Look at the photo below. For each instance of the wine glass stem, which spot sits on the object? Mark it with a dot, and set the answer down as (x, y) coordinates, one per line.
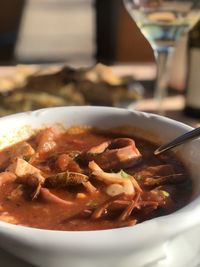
(160, 91)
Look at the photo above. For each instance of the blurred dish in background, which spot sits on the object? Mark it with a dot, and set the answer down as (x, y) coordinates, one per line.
(34, 87)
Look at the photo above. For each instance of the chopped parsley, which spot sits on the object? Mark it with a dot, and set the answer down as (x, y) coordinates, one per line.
(92, 204)
(27, 158)
(124, 174)
(165, 193)
(138, 177)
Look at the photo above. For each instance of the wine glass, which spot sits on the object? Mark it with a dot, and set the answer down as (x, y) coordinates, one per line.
(163, 22)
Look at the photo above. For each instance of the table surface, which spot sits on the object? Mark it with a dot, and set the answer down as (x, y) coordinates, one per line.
(173, 104)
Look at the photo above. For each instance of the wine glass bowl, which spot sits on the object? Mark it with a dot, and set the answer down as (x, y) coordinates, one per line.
(163, 22)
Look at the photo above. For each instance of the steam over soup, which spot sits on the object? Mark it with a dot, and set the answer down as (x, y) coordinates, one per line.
(87, 179)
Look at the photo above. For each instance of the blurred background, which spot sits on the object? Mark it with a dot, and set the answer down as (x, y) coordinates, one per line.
(79, 32)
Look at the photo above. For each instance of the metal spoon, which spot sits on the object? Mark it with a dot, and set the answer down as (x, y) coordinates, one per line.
(178, 141)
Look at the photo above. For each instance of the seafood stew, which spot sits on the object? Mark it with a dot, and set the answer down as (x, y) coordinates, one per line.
(87, 179)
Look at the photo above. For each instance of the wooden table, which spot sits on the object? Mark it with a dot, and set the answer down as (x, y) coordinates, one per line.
(173, 105)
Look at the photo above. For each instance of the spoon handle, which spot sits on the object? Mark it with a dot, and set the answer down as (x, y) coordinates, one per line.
(178, 141)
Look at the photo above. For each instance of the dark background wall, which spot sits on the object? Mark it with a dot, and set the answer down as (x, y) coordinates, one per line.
(39, 31)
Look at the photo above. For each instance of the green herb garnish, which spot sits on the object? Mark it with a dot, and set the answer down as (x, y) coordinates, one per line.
(124, 174)
(165, 193)
(92, 204)
(138, 177)
(27, 158)
(92, 154)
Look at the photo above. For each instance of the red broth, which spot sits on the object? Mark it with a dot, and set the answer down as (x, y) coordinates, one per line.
(86, 179)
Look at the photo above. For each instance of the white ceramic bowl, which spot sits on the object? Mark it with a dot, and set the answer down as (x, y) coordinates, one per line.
(142, 244)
